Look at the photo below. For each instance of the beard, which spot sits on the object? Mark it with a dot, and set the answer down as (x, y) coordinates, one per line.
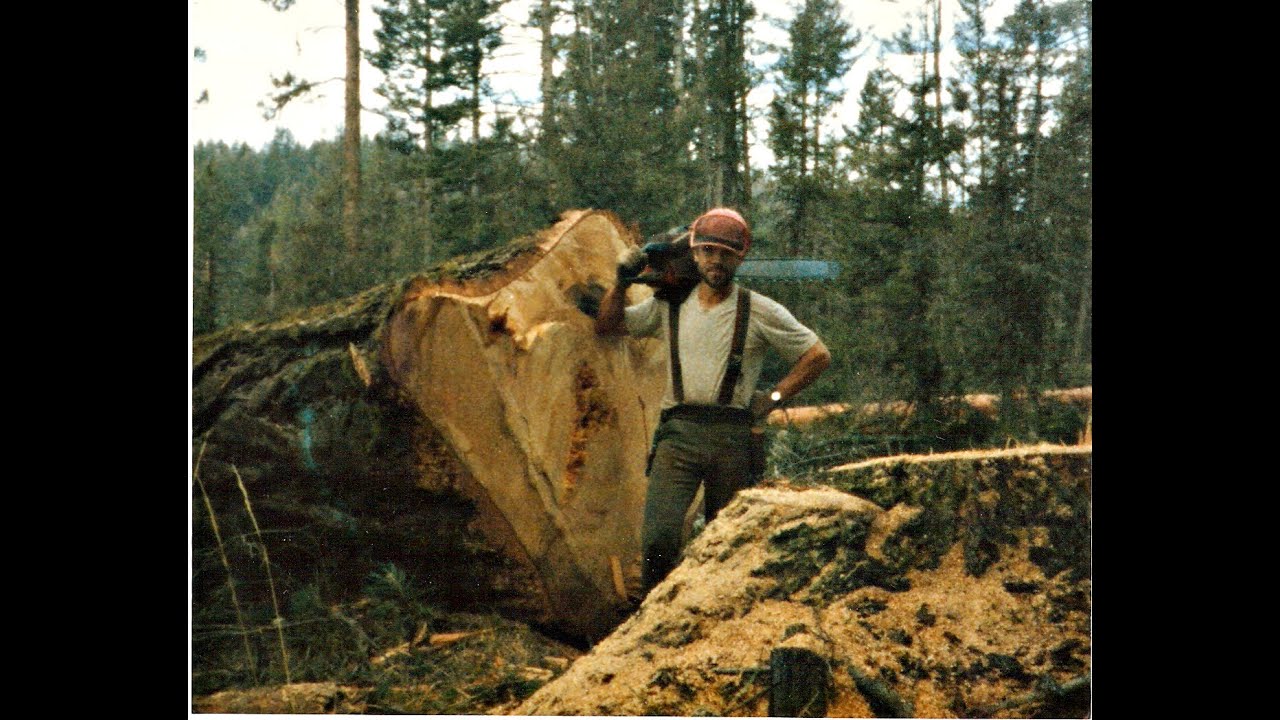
(717, 278)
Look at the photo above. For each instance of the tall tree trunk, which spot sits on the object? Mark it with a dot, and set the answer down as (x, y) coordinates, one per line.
(745, 126)
(475, 105)
(706, 133)
(351, 135)
(817, 136)
(1086, 299)
(1040, 69)
(980, 82)
(548, 55)
(429, 123)
(677, 71)
(922, 169)
(937, 92)
(730, 75)
(804, 135)
(207, 314)
(802, 189)
(475, 130)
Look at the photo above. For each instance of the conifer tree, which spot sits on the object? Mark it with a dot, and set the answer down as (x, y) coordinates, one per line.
(624, 145)
(972, 92)
(808, 77)
(420, 72)
(543, 16)
(290, 87)
(471, 35)
(723, 82)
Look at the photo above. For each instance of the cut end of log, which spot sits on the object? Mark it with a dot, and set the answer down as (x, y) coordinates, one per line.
(547, 424)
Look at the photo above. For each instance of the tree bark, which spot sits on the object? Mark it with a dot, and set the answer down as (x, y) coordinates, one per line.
(466, 424)
(546, 19)
(745, 127)
(937, 94)
(677, 71)
(1081, 340)
(351, 135)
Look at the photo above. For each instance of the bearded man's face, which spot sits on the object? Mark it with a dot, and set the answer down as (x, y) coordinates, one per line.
(716, 265)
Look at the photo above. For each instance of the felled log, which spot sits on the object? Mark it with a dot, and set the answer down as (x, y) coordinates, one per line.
(466, 425)
(985, 403)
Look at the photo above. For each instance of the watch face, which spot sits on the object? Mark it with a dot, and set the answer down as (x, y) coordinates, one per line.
(775, 396)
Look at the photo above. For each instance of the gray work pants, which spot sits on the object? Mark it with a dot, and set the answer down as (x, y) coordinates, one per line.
(686, 454)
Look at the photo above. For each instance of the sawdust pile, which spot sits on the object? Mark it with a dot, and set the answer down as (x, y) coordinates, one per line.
(955, 586)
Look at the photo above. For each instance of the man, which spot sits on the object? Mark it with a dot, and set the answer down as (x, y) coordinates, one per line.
(709, 405)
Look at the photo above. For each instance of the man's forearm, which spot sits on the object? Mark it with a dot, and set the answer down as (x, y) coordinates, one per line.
(807, 369)
(611, 319)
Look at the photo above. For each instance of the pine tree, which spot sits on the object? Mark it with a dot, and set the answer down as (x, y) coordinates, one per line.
(1019, 274)
(291, 87)
(972, 93)
(421, 74)
(808, 76)
(210, 239)
(230, 188)
(471, 35)
(1065, 196)
(873, 153)
(725, 79)
(624, 144)
(542, 16)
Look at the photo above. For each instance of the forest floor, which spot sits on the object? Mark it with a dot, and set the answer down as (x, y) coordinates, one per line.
(928, 602)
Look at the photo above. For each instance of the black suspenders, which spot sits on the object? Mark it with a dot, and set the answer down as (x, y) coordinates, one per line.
(731, 373)
(673, 341)
(740, 319)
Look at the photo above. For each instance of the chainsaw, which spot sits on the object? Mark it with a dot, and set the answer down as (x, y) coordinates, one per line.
(671, 271)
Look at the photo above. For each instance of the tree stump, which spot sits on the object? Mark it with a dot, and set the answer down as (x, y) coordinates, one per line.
(466, 424)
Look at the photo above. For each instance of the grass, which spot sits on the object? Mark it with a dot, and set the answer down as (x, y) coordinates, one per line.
(276, 620)
(226, 564)
(394, 653)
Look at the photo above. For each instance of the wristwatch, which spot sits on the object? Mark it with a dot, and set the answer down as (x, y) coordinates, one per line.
(775, 397)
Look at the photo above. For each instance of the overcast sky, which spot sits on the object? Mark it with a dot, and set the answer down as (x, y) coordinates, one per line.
(245, 42)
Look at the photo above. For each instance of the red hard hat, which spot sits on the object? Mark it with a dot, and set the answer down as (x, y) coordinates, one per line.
(723, 227)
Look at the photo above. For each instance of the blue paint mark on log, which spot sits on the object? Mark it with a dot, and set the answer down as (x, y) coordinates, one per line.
(306, 417)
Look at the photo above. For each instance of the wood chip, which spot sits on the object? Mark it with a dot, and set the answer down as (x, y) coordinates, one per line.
(397, 650)
(450, 638)
(618, 585)
(362, 368)
(529, 672)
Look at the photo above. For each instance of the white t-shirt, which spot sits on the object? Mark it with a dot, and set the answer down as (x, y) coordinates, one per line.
(705, 339)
